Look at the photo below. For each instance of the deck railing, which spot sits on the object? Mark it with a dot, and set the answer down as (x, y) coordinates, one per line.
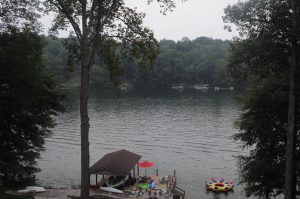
(177, 192)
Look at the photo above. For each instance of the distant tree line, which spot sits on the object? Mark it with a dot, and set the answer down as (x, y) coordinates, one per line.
(190, 62)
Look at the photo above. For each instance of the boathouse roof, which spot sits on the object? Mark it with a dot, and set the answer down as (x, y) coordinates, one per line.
(118, 163)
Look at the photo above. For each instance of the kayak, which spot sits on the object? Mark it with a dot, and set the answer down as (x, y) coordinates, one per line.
(32, 189)
(110, 189)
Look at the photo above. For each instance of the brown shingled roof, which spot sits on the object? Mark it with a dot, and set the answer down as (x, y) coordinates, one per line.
(118, 163)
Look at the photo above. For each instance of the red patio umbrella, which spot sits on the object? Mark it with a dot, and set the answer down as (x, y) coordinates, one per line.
(146, 164)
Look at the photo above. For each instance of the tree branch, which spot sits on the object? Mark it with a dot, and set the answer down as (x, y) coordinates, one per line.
(61, 7)
(99, 26)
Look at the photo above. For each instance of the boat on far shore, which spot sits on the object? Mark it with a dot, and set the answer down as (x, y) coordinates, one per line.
(203, 87)
(125, 86)
(178, 87)
(217, 88)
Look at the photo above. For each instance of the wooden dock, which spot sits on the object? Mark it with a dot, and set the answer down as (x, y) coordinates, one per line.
(165, 189)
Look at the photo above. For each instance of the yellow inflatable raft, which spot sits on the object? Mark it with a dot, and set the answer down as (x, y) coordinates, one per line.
(219, 185)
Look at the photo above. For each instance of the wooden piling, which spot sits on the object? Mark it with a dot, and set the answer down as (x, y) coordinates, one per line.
(133, 171)
(174, 177)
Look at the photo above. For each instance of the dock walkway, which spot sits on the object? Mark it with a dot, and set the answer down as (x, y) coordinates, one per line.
(94, 194)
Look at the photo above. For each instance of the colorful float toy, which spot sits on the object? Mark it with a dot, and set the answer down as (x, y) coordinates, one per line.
(219, 185)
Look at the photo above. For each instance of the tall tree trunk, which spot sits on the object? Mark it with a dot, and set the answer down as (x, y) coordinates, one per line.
(290, 171)
(84, 95)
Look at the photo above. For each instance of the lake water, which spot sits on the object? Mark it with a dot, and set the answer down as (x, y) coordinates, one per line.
(189, 131)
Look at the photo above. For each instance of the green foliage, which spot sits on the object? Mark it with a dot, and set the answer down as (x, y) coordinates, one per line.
(261, 55)
(20, 13)
(61, 59)
(110, 57)
(262, 129)
(113, 32)
(200, 61)
(263, 126)
(55, 55)
(29, 99)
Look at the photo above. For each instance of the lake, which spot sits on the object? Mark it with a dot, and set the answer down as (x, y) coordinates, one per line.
(189, 131)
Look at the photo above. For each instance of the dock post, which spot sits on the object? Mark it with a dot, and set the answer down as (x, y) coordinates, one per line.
(169, 182)
(175, 179)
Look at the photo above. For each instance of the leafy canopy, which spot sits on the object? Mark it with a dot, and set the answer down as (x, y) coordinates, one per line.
(22, 14)
(29, 99)
(103, 27)
(262, 54)
(198, 61)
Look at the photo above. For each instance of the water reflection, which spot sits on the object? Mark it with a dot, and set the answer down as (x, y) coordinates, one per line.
(189, 131)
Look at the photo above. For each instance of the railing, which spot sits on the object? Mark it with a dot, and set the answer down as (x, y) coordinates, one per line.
(177, 192)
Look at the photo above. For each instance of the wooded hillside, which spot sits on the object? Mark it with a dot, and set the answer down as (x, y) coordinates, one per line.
(189, 62)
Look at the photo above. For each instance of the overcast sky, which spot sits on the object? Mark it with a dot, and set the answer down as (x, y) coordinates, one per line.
(193, 18)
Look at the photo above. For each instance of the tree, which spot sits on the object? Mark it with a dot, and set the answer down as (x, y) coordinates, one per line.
(28, 100)
(290, 171)
(22, 14)
(99, 27)
(263, 129)
(204, 62)
(263, 53)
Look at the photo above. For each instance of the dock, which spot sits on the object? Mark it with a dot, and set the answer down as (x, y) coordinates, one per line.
(120, 169)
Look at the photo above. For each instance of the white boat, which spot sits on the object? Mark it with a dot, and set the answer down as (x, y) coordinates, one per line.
(125, 86)
(112, 190)
(24, 191)
(203, 87)
(32, 189)
(178, 87)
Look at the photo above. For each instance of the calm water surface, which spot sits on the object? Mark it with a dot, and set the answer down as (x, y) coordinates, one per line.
(188, 131)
